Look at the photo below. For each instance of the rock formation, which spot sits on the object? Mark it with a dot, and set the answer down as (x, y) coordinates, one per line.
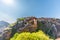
(33, 24)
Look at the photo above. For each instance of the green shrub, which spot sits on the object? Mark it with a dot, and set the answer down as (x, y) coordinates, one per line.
(20, 19)
(15, 36)
(30, 36)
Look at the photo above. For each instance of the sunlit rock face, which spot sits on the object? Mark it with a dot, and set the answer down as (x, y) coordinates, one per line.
(29, 25)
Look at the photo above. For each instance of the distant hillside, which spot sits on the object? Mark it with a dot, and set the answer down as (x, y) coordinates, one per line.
(3, 25)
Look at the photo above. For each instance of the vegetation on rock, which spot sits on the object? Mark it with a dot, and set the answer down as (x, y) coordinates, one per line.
(20, 19)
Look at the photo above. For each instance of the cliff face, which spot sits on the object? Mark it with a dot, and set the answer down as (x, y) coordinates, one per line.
(32, 24)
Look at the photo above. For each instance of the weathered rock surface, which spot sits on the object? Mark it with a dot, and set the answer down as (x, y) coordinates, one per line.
(33, 24)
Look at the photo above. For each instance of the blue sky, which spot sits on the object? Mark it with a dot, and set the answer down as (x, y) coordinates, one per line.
(10, 10)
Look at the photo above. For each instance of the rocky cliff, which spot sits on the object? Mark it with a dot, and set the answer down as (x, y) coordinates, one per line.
(50, 26)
